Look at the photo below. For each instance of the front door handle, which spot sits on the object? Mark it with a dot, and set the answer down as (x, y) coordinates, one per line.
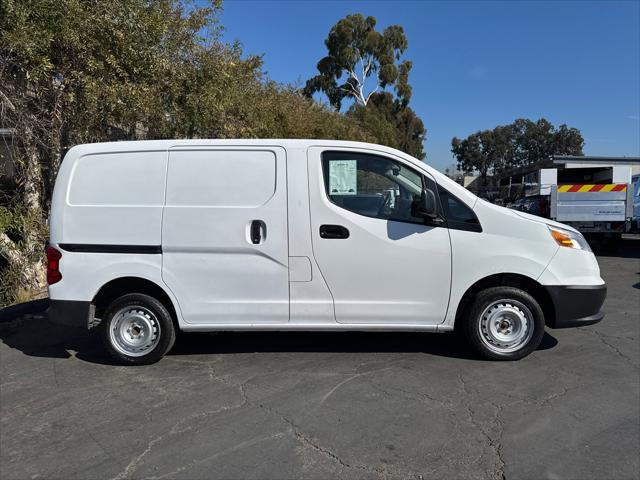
(333, 231)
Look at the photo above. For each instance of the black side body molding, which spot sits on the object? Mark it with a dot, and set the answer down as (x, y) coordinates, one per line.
(91, 248)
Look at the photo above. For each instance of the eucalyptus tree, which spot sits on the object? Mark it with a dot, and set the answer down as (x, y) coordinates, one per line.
(356, 53)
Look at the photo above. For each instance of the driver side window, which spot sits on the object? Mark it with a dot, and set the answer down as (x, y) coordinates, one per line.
(371, 185)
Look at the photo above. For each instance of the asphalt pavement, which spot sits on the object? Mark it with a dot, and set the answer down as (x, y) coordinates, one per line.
(328, 405)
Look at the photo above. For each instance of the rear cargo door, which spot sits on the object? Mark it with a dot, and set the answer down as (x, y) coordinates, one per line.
(224, 234)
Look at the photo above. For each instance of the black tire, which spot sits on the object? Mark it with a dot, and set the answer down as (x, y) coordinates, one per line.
(472, 326)
(162, 321)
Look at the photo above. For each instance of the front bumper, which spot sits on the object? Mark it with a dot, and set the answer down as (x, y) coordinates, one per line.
(576, 305)
(71, 313)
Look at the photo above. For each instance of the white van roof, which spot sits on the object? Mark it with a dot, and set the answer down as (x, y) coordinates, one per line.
(163, 145)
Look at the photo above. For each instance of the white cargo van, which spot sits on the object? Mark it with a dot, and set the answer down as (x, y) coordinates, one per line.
(152, 237)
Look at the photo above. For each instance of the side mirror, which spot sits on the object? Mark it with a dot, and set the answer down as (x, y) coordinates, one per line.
(425, 207)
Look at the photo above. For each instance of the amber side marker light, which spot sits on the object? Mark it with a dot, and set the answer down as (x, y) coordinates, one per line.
(562, 239)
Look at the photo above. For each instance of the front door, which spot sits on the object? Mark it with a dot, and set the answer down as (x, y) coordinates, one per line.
(224, 235)
(381, 264)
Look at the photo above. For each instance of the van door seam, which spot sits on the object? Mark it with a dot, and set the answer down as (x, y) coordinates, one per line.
(313, 251)
(164, 205)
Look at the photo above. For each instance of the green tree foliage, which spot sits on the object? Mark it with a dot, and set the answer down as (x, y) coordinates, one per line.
(392, 123)
(356, 52)
(520, 143)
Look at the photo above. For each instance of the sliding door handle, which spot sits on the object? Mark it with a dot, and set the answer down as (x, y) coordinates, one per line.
(256, 231)
(333, 231)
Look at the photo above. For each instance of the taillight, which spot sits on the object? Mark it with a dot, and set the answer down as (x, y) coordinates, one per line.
(53, 266)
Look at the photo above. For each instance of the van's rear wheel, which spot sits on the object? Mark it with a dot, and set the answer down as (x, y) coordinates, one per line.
(137, 329)
(504, 323)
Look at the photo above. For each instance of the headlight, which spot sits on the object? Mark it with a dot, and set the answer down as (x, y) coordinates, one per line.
(567, 238)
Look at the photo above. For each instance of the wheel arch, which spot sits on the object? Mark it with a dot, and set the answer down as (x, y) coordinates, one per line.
(123, 285)
(516, 280)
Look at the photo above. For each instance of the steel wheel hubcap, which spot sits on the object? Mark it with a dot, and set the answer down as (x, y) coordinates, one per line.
(134, 331)
(506, 325)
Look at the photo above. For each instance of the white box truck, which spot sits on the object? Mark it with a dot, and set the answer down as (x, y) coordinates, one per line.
(591, 194)
(151, 237)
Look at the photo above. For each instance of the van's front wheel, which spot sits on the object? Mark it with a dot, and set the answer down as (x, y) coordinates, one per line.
(504, 323)
(137, 329)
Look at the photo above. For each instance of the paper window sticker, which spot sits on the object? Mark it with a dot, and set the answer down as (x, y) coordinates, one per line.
(343, 179)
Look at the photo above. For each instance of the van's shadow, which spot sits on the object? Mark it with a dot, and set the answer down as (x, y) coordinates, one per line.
(37, 337)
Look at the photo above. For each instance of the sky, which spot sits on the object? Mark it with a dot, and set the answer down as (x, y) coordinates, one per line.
(478, 64)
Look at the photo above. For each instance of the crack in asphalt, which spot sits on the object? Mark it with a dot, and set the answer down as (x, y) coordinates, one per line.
(352, 377)
(293, 430)
(602, 337)
(175, 429)
(548, 399)
(493, 439)
(495, 443)
(420, 396)
(307, 441)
